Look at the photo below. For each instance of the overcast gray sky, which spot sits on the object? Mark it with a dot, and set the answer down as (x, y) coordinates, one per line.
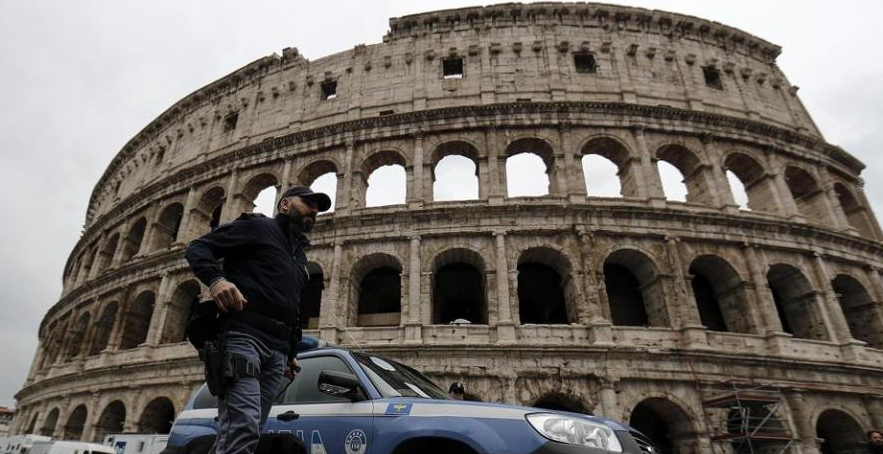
(79, 79)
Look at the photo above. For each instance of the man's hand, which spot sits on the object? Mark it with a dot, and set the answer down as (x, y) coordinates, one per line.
(291, 369)
(227, 296)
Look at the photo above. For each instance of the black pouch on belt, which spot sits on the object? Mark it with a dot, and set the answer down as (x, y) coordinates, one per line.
(206, 330)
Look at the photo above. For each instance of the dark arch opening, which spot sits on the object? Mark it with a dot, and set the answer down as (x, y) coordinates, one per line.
(105, 257)
(311, 297)
(111, 421)
(33, 425)
(133, 239)
(859, 309)
(77, 338)
(540, 297)
(665, 424)
(49, 423)
(840, 433)
(559, 402)
(634, 290)
(73, 430)
(720, 296)
(379, 296)
(855, 213)
(103, 328)
(807, 194)
(137, 321)
(458, 294)
(795, 301)
(185, 298)
(167, 226)
(157, 417)
(207, 215)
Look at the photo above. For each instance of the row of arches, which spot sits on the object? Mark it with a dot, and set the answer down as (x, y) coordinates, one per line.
(156, 418)
(534, 166)
(632, 290)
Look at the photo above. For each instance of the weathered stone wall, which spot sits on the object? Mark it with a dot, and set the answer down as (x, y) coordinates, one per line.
(796, 288)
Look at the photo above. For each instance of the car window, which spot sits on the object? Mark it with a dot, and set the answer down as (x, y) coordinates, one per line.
(205, 399)
(394, 379)
(305, 388)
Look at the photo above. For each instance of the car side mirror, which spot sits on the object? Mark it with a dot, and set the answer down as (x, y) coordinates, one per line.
(340, 384)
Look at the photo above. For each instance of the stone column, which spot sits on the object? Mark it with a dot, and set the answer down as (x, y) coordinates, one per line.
(117, 259)
(415, 192)
(89, 425)
(607, 399)
(777, 340)
(284, 183)
(413, 328)
(685, 309)
(96, 259)
(227, 212)
(647, 180)
(505, 325)
(330, 306)
(784, 192)
(719, 183)
(837, 327)
(160, 310)
(574, 177)
(803, 429)
(496, 180)
(185, 233)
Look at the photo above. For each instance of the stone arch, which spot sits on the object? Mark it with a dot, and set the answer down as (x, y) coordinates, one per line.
(560, 402)
(185, 297)
(111, 421)
(721, 296)
(667, 424)
(76, 422)
(372, 163)
(316, 169)
(456, 180)
(807, 194)
(311, 297)
(615, 151)
(132, 242)
(77, 338)
(546, 291)
(694, 172)
(137, 320)
(167, 225)
(634, 289)
(759, 189)
(157, 417)
(376, 290)
(247, 196)
(207, 214)
(105, 254)
(103, 328)
(856, 214)
(860, 310)
(535, 146)
(48, 427)
(459, 287)
(840, 433)
(796, 302)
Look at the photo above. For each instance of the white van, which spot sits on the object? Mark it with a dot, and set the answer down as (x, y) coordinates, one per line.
(136, 443)
(20, 444)
(69, 447)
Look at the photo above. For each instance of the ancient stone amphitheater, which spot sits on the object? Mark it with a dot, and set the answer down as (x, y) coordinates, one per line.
(637, 307)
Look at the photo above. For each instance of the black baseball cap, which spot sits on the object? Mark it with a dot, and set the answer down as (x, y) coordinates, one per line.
(323, 202)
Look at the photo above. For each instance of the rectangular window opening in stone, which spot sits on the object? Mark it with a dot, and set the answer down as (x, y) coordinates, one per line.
(387, 112)
(713, 77)
(452, 68)
(329, 89)
(585, 62)
(230, 121)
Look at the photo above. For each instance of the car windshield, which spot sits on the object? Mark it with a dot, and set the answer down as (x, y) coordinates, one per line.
(393, 379)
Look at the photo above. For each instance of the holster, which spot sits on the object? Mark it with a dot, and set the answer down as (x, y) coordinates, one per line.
(213, 359)
(206, 331)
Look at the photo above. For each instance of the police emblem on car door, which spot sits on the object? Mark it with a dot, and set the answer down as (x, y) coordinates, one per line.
(325, 408)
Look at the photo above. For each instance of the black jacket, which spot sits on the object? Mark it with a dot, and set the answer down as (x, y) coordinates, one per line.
(268, 265)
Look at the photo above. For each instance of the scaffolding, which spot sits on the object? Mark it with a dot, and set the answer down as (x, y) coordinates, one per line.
(753, 426)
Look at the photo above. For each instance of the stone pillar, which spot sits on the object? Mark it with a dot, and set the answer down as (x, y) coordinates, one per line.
(413, 328)
(330, 306)
(837, 327)
(61, 422)
(415, 191)
(96, 259)
(185, 233)
(719, 183)
(227, 212)
(777, 340)
(866, 207)
(784, 192)
(607, 399)
(647, 180)
(117, 259)
(685, 313)
(89, 425)
(496, 178)
(574, 177)
(875, 410)
(505, 325)
(345, 181)
(803, 428)
(133, 412)
(284, 183)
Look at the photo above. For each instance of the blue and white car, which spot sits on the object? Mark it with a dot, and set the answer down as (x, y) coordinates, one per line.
(355, 403)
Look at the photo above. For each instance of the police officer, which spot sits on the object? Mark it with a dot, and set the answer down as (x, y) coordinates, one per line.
(258, 292)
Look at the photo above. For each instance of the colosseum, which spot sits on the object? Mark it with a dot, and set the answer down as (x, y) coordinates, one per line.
(758, 294)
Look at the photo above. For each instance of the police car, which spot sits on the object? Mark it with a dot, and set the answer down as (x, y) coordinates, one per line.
(357, 403)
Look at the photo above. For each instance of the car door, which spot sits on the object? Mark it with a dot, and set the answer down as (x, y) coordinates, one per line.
(327, 424)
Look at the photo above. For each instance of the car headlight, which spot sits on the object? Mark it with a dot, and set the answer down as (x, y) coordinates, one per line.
(566, 429)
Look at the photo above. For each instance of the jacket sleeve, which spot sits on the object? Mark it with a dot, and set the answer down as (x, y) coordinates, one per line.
(204, 253)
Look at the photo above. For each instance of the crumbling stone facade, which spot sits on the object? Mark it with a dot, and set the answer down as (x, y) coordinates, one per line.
(636, 307)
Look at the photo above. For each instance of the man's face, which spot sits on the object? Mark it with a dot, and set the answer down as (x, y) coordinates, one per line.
(300, 209)
(876, 438)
